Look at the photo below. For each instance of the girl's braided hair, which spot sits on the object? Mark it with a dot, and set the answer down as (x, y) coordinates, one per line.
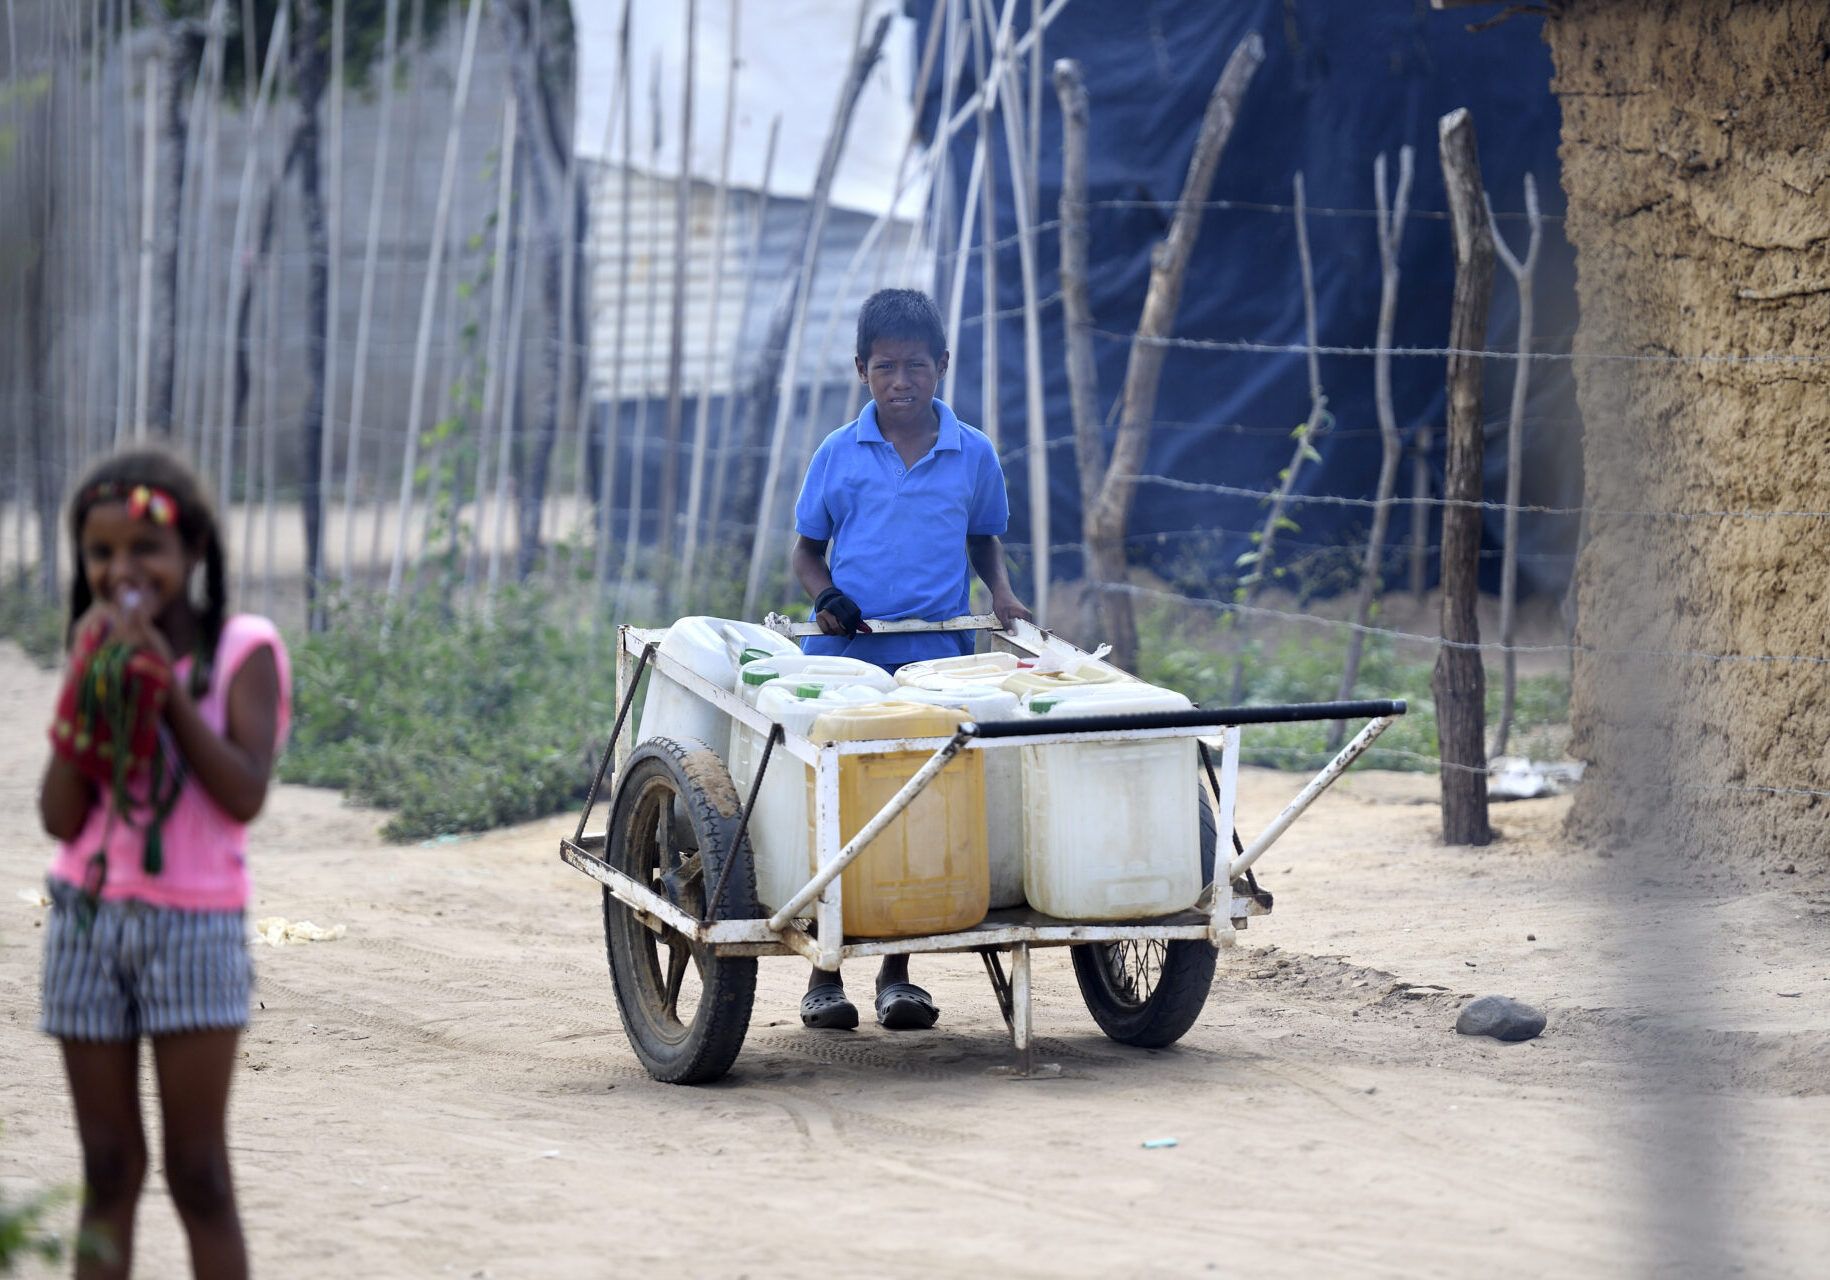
(196, 524)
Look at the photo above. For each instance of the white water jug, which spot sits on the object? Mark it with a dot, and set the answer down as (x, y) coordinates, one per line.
(1111, 831)
(709, 647)
(781, 825)
(933, 673)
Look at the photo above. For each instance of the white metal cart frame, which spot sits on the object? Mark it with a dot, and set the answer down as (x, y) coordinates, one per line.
(809, 924)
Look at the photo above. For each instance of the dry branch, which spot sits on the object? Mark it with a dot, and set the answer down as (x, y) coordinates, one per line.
(1522, 273)
(1076, 309)
(1390, 231)
(1168, 268)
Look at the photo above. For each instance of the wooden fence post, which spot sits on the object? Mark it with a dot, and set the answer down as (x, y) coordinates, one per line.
(1459, 681)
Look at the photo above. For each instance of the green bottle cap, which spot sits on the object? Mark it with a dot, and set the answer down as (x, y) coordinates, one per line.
(759, 674)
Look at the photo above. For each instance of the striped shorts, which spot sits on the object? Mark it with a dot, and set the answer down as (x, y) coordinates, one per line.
(142, 970)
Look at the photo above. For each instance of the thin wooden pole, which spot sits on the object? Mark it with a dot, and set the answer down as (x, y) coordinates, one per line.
(98, 242)
(962, 257)
(938, 21)
(1390, 232)
(990, 394)
(201, 398)
(1077, 309)
(429, 294)
(1459, 681)
(269, 432)
(397, 288)
(149, 194)
(613, 417)
(1168, 270)
(1035, 404)
(238, 242)
(721, 471)
(638, 474)
(1261, 555)
(511, 400)
(128, 230)
(863, 58)
(365, 304)
(695, 484)
(327, 439)
(492, 342)
(1522, 273)
(676, 328)
(1420, 511)
(200, 196)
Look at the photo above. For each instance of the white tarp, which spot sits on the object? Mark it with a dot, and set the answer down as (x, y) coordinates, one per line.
(794, 55)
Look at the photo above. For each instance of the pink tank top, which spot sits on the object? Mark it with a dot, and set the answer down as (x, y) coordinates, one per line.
(206, 867)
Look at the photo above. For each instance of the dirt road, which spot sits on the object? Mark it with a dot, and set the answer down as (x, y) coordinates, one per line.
(447, 1090)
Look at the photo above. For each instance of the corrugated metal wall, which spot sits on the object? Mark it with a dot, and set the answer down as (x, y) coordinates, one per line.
(647, 300)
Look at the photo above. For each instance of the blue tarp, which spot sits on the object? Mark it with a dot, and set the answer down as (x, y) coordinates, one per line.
(1342, 81)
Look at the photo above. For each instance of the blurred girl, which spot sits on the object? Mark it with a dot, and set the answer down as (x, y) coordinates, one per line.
(162, 747)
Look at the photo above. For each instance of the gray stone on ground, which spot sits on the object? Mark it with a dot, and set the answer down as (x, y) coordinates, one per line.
(1501, 1017)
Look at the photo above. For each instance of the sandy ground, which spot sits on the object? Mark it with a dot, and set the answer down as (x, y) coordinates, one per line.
(447, 1090)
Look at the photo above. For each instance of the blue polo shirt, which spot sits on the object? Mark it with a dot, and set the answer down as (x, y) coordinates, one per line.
(896, 536)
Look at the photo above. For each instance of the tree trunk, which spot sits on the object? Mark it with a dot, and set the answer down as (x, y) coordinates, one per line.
(1459, 680)
(309, 68)
(179, 60)
(1168, 267)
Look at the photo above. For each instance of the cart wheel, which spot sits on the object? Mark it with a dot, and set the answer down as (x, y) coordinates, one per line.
(684, 1009)
(1148, 993)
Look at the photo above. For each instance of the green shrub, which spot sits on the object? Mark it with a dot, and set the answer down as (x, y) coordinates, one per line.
(36, 624)
(22, 1231)
(457, 720)
(1309, 670)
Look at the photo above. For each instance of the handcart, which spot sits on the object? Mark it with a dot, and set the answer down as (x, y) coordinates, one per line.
(683, 929)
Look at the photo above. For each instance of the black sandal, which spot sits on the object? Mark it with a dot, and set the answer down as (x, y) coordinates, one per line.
(826, 1008)
(903, 1006)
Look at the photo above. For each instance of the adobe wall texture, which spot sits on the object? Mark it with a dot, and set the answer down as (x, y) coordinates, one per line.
(1695, 161)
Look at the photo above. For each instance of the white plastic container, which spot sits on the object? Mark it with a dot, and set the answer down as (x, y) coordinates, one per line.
(1087, 672)
(781, 827)
(826, 668)
(1003, 778)
(710, 647)
(933, 673)
(1111, 831)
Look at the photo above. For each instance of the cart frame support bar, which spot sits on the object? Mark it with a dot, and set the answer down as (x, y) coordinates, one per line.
(1304, 798)
(897, 803)
(1197, 718)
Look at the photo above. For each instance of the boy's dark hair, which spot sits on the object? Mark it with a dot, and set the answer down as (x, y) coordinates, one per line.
(196, 525)
(908, 314)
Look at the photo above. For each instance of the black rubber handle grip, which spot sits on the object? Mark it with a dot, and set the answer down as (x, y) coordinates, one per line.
(1198, 717)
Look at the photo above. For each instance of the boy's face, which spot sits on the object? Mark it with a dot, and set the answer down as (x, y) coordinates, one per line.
(902, 375)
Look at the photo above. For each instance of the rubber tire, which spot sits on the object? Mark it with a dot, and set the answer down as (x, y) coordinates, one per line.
(1180, 993)
(708, 801)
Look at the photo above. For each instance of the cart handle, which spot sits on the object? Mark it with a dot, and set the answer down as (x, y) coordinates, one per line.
(1280, 713)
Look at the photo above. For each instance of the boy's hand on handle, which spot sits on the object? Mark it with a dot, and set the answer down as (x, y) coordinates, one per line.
(838, 614)
(1008, 609)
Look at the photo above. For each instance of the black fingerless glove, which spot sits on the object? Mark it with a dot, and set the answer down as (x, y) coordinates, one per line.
(842, 607)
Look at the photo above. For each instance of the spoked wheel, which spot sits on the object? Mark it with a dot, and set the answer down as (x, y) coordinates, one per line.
(684, 1009)
(1148, 992)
